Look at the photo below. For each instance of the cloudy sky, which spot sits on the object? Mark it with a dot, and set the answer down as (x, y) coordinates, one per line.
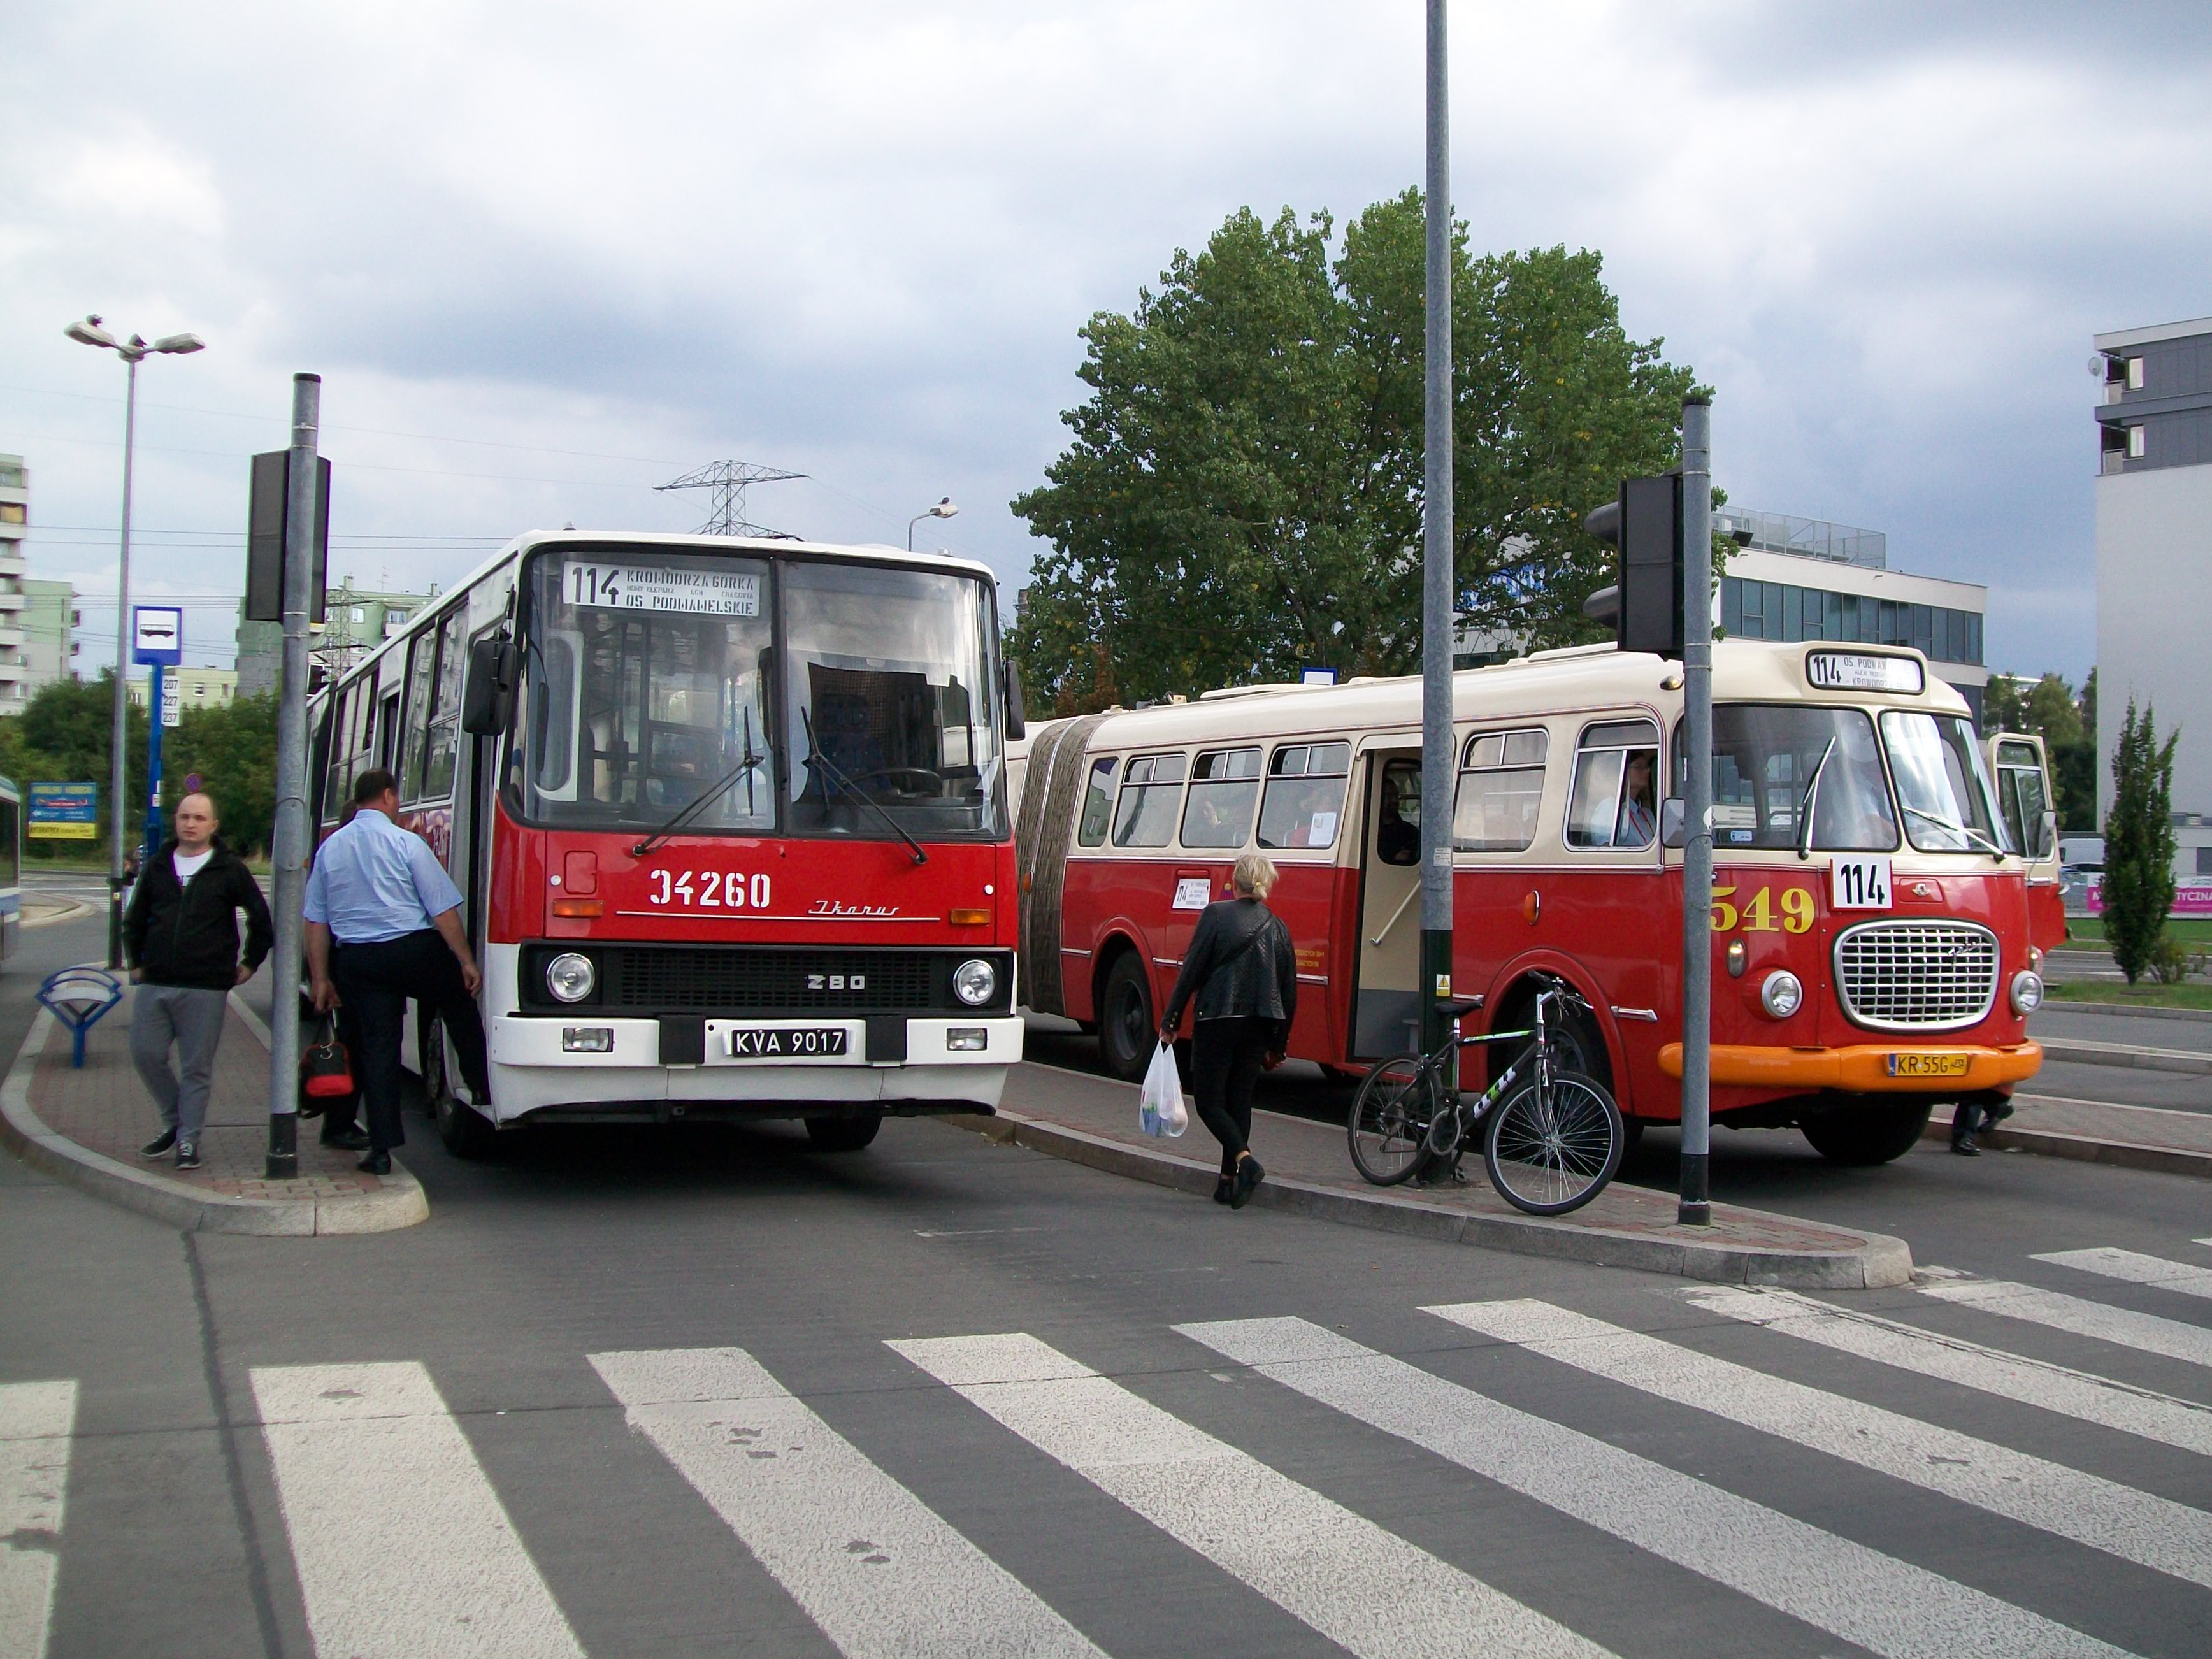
(547, 256)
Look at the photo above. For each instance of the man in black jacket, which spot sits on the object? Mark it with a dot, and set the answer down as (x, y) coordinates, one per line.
(181, 931)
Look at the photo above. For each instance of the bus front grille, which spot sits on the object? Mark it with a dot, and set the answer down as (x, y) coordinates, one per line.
(1909, 976)
(727, 979)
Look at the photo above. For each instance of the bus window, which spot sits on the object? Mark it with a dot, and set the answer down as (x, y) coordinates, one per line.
(1940, 782)
(1612, 803)
(1305, 794)
(338, 780)
(1398, 831)
(1144, 817)
(415, 726)
(1501, 785)
(2021, 798)
(1224, 787)
(446, 711)
(1763, 757)
(1097, 803)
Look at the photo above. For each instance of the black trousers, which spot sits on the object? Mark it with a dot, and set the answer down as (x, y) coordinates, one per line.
(1224, 1065)
(374, 981)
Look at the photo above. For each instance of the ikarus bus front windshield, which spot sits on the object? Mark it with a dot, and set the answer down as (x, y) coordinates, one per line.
(653, 689)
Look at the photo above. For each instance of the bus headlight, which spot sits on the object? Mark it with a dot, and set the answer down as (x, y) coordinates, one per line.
(974, 982)
(2026, 991)
(570, 977)
(1782, 995)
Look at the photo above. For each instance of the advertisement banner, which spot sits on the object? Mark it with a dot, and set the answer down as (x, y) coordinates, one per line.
(2192, 895)
(62, 812)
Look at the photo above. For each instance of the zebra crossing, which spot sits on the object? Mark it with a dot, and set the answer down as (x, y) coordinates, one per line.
(368, 1460)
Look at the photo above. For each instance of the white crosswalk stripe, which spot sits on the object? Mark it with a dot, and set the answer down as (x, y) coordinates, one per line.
(2179, 1423)
(2133, 1267)
(2123, 1327)
(35, 1422)
(878, 1572)
(2139, 1527)
(1834, 1584)
(1365, 1589)
(401, 1547)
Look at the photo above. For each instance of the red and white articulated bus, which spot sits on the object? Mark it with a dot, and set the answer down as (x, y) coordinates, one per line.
(731, 820)
(1872, 917)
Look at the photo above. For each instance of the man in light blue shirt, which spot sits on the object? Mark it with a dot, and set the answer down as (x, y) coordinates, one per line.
(384, 923)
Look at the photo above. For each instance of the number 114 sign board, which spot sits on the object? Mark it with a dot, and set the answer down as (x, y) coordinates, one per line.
(1859, 884)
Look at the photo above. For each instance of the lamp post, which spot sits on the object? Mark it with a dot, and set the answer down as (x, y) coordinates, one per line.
(132, 351)
(944, 509)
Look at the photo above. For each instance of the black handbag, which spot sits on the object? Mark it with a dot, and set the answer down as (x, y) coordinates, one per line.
(326, 1071)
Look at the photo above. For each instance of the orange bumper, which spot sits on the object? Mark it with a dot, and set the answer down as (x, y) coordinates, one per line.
(1861, 1070)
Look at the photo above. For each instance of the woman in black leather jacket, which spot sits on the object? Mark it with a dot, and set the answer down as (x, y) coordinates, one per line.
(1245, 973)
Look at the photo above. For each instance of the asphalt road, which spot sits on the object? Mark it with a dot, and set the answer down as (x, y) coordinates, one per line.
(405, 1441)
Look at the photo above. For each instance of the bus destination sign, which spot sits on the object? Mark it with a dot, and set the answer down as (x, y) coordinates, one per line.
(1862, 671)
(661, 587)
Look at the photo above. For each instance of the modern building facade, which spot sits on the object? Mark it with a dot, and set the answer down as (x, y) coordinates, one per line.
(50, 616)
(1808, 579)
(2155, 558)
(356, 622)
(15, 524)
(196, 688)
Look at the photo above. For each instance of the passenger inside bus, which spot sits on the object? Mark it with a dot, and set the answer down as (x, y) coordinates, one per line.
(1398, 837)
(1636, 822)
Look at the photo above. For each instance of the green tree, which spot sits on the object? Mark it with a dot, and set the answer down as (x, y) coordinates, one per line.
(2005, 705)
(1242, 492)
(62, 736)
(2139, 841)
(2052, 712)
(234, 750)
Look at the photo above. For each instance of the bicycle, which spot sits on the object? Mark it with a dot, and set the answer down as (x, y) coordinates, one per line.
(1554, 1136)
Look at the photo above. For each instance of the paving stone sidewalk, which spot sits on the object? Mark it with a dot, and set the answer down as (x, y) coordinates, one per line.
(1094, 1121)
(87, 1126)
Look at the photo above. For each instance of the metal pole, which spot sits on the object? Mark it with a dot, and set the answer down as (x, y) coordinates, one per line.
(1437, 566)
(153, 675)
(289, 841)
(1696, 1208)
(119, 798)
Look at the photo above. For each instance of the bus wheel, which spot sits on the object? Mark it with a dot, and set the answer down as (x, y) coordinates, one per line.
(843, 1134)
(1861, 1135)
(1127, 1033)
(461, 1127)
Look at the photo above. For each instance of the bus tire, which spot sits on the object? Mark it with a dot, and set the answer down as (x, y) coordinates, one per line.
(843, 1134)
(1858, 1137)
(1129, 1031)
(465, 1131)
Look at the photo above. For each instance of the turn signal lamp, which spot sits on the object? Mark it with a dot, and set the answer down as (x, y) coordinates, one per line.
(970, 918)
(576, 907)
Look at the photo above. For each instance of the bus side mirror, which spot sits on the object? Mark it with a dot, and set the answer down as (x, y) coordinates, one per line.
(2049, 825)
(1017, 721)
(487, 693)
(1672, 817)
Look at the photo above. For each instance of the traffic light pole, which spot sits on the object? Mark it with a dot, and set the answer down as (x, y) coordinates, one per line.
(1695, 1209)
(1436, 574)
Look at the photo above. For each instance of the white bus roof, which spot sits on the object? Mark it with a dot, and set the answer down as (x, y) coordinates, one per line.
(1596, 677)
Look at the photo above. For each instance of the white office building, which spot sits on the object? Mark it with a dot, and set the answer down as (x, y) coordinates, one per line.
(2155, 559)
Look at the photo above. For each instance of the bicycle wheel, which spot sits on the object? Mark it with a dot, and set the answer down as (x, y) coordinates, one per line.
(1550, 1150)
(1390, 1118)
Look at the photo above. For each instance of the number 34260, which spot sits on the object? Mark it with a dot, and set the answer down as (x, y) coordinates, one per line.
(1764, 912)
(709, 890)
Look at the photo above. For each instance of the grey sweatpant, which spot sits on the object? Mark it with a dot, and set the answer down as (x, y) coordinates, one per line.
(192, 1020)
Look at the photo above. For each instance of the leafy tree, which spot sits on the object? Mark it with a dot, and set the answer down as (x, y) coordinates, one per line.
(233, 749)
(1242, 493)
(2052, 711)
(62, 736)
(2004, 704)
(2139, 843)
(2048, 709)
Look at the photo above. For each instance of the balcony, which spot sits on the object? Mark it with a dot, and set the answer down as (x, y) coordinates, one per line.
(12, 599)
(10, 638)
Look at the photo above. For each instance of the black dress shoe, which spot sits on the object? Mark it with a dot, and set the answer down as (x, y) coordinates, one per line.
(1964, 1145)
(1248, 1175)
(346, 1140)
(376, 1163)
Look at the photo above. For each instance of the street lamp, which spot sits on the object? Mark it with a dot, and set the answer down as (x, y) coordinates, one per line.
(944, 509)
(133, 352)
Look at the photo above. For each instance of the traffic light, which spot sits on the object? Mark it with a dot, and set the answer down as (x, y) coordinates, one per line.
(1645, 603)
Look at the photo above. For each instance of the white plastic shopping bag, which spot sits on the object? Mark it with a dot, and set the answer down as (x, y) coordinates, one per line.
(1161, 1111)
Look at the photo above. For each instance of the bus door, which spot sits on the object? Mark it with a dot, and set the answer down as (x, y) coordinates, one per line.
(2024, 796)
(1386, 1000)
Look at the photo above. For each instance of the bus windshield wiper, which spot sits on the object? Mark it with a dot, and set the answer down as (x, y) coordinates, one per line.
(746, 762)
(1812, 799)
(835, 774)
(1974, 837)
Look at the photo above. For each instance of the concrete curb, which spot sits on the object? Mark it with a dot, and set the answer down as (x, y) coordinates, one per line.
(1881, 1261)
(2081, 1052)
(401, 1203)
(2121, 1154)
(72, 909)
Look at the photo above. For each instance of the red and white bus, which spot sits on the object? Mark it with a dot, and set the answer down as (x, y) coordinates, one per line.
(1873, 952)
(731, 820)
